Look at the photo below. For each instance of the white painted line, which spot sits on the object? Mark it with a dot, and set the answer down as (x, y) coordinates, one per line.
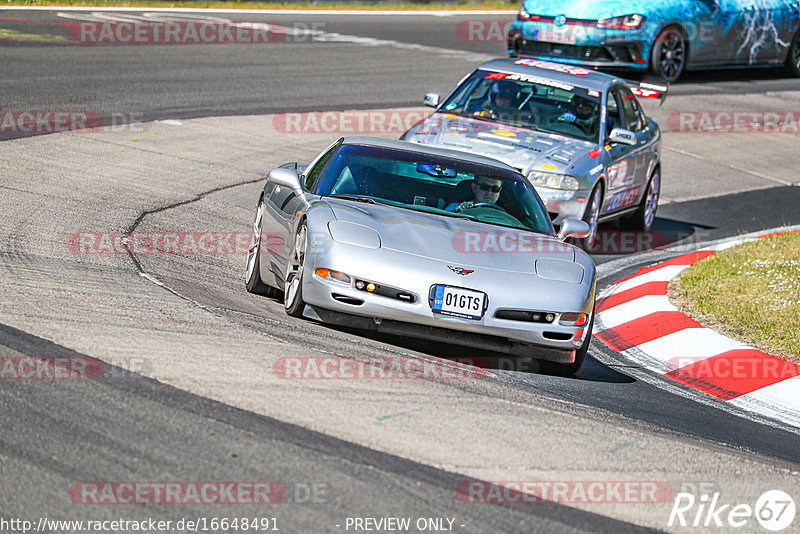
(634, 309)
(664, 274)
(780, 400)
(687, 346)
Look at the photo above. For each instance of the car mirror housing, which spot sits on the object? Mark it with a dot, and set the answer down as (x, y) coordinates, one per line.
(286, 178)
(573, 228)
(621, 135)
(431, 100)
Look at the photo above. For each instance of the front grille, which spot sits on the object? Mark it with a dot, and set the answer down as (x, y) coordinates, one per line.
(595, 53)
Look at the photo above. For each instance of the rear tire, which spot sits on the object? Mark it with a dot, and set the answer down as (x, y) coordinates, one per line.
(253, 281)
(793, 58)
(644, 217)
(569, 369)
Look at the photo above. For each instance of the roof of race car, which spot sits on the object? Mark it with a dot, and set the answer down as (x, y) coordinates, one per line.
(569, 74)
(425, 149)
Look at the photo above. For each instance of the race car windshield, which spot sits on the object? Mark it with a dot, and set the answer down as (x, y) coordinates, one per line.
(434, 184)
(529, 102)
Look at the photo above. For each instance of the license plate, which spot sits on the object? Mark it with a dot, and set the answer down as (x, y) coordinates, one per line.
(458, 302)
(548, 36)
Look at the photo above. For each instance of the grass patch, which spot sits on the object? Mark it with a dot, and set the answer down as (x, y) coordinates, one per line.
(750, 292)
(235, 4)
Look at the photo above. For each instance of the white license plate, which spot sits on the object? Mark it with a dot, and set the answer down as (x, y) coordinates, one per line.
(458, 302)
(548, 36)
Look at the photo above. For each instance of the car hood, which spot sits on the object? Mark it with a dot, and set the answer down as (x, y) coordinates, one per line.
(460, 242)
(591, 9)
(519, 147)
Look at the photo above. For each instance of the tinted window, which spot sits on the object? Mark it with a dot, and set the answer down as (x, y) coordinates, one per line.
(634, 118)
(433, 184)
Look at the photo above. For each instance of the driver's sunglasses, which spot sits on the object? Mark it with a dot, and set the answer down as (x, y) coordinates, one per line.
(487, 187)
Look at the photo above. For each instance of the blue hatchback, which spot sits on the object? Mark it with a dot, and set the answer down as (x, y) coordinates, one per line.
(666, 36)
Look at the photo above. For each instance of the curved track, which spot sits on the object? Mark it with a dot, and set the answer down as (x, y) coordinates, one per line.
(381, 448)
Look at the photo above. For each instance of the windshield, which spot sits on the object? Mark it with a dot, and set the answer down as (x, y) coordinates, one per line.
(530, 102)
(434, 184)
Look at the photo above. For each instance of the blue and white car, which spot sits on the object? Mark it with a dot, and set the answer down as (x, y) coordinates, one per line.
(666, 36)
(597, 161)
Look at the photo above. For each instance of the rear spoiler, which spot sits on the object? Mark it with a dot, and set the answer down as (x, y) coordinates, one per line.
(649, 90)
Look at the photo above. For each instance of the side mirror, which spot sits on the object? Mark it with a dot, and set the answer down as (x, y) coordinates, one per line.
(573, 228)
(431, 100)
(285, 177)
(621, 135)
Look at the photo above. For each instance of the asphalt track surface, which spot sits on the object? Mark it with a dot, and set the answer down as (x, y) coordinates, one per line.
(131, 427)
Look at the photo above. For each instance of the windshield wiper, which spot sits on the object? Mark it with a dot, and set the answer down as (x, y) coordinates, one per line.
(368, 200)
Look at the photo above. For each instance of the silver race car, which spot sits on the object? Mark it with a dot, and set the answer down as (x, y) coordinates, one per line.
(579, 136)
(426, 242)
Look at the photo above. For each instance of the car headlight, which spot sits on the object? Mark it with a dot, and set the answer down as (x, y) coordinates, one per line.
(628, 22)
(523, 15)
(554, 181)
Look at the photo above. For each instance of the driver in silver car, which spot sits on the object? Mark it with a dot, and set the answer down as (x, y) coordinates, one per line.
(485, 190)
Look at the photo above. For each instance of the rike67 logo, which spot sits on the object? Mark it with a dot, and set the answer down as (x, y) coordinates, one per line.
(774, 510)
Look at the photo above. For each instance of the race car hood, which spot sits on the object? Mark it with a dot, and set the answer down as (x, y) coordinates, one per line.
(519, 147)
(448, 239)
(593, 10)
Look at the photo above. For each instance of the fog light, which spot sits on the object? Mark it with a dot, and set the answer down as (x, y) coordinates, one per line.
(371, 287)
(549, 317)
(360, 284)
(573, 319)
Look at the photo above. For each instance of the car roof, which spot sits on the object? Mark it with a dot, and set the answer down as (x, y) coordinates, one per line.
(426, 149)
(570, 74)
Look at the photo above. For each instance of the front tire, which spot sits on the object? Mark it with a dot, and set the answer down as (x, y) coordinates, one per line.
(592, 217)
(293, 287)
(253, 281)
(668, 60)
(569, 369)
(793, 58)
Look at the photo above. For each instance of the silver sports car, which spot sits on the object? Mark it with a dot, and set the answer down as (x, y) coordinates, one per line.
(580, 136)
(426, 242)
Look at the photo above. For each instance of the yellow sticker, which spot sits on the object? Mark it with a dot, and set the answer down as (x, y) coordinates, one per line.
(550, 167)
(504, 133)
(608, 147)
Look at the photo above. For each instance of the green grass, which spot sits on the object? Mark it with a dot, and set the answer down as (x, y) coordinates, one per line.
(235, 4)
(751, 292)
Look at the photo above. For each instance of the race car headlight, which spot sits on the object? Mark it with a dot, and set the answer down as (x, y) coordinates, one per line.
(523, 15)
(628, 22)
(554, 181)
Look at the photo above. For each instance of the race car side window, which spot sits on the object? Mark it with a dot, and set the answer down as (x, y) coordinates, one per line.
(613, 119)
(631, 110)
(316, 167)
